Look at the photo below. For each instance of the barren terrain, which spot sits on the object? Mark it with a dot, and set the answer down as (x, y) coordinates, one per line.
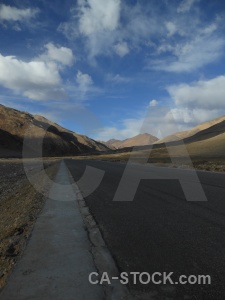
(175, 159)
(20, 205)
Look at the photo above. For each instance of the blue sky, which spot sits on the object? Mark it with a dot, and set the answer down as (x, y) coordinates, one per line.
(98, 66)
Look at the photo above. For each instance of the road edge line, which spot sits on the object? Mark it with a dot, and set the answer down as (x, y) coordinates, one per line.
(102, 257)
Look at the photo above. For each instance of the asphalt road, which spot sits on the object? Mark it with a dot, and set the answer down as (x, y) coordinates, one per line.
(57, 260)
(160, 231)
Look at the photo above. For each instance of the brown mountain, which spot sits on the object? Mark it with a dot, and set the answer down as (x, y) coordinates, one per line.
(191, 132)
(138, 140)
(204, 140)
(58, 141)
(110, 143)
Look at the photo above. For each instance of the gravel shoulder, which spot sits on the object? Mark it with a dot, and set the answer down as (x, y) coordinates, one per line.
(20, 205)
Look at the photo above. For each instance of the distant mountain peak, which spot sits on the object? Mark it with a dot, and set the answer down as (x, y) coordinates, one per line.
(141, 139)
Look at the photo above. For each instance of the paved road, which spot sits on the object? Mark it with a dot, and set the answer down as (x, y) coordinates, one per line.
(160, 231)
(57, 261)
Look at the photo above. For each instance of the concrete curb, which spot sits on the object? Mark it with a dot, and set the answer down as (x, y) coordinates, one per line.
(103, 259)
(57, 261)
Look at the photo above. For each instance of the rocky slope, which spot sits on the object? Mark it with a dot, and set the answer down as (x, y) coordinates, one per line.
(58, 141)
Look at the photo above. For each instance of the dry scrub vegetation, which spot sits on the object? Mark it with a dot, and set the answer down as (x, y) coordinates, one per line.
(20, 205)
(199, 158)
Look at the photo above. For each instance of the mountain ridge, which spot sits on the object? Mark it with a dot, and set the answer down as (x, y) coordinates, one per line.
(58, 141)
(183, 135)
(142, 139)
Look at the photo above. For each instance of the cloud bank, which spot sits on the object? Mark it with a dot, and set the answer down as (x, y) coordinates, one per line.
(38, 79)
(206, 94)
(10, 13)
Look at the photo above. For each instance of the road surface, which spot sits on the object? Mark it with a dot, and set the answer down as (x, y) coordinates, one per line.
(160, 231)
(57, 260)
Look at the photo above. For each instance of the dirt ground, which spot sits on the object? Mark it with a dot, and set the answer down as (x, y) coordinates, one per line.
(20, 205)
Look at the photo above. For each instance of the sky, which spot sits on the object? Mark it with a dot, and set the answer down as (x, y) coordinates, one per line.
(114, 68)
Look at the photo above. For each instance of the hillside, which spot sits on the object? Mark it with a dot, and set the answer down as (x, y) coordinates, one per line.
(191, 132)
(58, 141)
(209, 142)
(206, 140)
(205, 144)
(138, 140)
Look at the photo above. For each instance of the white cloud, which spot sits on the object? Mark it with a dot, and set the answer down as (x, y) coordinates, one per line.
(160, 121)
(164, 48)
(35, 79)
(70, 28)
(209, 94)
(84, 82)
(117, 78)
(151, 120)
(210, 29)
(9, 13)
(192, 105)
(192, 55)
(196, 103)
(180, 115)
(98, 15)
(129, 128)
(38, 79)
(185, 6)
(97, 21)
(58, 54)
(55, 92)
(153, 103)
(102, 27)
(171, 28)
(16, 27)
(189, 43)
(188, 117)
(121, 49)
